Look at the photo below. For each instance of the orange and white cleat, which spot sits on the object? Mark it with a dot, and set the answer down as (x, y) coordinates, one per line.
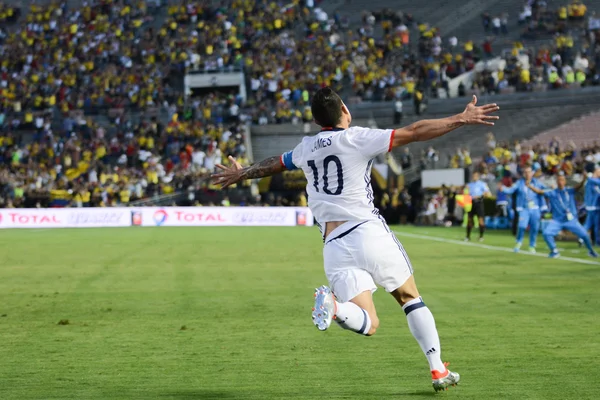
(324, 309)
(441, 380)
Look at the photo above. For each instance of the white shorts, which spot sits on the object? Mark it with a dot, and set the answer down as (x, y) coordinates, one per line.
(359, 255)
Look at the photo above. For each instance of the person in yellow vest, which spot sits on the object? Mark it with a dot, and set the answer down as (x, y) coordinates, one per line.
(124, 195)
(570, 76)
(82, 197)
(468, 161)
(562, 13)
(418, 99)
(28, 120)
(580, 77)
(553, 79)
(525, 79)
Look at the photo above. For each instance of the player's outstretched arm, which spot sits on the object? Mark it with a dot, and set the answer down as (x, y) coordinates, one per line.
(535, 190)
(508, 190)
(428, 129)
(236, 173)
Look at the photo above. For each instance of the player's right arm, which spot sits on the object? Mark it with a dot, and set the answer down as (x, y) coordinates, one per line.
(537, 190)
(428, 129)
(509, 190)
(235, 173)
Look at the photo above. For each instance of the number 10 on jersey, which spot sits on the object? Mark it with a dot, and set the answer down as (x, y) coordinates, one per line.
(326, 163)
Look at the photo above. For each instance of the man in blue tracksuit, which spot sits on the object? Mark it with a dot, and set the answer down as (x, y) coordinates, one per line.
(592, 205)
(529, 206)
(537, 173)
(564, 215)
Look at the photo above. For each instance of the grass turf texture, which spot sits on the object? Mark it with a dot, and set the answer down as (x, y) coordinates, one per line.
(224, 313)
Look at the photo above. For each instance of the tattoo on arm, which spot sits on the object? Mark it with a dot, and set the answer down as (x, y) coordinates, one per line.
(267, 167)
(454, 125)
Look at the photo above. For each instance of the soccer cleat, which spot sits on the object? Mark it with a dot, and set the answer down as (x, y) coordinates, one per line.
(554, 254)
(532, 250)
(593, 254)
(481, 239)
(324, 310)
(467, 239)
(517, 247)
(441, 380)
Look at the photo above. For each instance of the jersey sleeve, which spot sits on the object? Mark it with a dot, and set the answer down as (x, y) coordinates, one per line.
(292, 159)
(486, 188)
(371, 142)
(594, 181)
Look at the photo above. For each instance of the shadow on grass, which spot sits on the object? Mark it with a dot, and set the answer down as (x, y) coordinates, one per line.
(419, 393)
(202, 395)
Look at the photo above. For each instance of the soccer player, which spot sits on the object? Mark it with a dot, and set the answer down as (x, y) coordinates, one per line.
(360, 250)
(478, 190)
(564, 215)
(528, 206)
(592, 204)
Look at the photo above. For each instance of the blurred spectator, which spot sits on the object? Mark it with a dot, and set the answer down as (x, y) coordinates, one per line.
(398, 112)
(406, 158)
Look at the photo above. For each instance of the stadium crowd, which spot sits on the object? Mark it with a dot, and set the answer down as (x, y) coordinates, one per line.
(64, 66)
(91, 111)
(569, 57)
(504, 159)
(90, 168)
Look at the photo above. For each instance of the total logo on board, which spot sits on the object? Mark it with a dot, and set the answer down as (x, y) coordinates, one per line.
(160, 217)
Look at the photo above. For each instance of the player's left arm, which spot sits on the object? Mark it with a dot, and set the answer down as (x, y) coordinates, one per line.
(428, 129)
(236, 173)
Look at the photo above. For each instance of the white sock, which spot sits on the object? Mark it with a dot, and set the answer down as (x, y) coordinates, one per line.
(352, 317)
(422, 327)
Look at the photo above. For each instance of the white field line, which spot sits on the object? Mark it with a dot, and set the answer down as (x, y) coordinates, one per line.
(488, 247)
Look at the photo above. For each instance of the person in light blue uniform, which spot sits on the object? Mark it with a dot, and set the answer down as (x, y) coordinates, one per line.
(592, 205)
(537, 174)
(477, 190)
(528, 204)
(564, 215)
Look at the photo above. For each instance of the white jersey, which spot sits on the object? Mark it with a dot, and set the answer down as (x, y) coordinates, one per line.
(337, 164)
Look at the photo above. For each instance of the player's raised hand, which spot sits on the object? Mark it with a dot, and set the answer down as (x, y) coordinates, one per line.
(474, 115)
(228, 175)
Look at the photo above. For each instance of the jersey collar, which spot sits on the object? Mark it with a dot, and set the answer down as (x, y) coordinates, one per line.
(331, 129)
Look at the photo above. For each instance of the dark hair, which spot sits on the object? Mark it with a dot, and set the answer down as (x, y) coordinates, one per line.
(326, 107)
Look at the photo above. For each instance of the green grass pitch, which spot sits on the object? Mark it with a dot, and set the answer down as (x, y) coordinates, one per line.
(224, 313)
